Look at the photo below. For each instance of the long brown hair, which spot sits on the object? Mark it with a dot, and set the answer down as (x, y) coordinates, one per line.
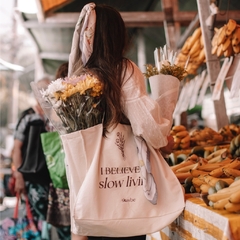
(62, 71)
(107, 60)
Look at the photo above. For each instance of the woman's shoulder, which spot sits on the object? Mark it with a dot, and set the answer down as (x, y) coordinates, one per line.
(27, 112)
(132, 69)
(132, 65)
(133, 72)
(134, 82)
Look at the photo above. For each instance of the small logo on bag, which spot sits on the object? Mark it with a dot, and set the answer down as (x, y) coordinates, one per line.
(120, 142)
(128, 200)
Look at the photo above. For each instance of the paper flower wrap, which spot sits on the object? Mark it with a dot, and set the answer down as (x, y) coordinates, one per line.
(165, 90)
(164, 79)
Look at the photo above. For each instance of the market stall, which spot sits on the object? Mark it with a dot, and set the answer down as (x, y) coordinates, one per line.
(207, 161)
(211, 178)
(199, 221)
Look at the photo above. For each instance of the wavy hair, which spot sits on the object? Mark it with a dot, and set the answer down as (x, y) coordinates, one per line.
(107, 60)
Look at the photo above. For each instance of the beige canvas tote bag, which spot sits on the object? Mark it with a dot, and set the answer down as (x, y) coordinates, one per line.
(108, 189)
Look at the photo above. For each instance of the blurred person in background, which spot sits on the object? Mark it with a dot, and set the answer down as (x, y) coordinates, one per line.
(37, 191)
(58, 205)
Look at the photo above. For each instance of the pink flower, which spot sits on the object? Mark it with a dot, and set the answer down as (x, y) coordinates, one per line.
(74, 80)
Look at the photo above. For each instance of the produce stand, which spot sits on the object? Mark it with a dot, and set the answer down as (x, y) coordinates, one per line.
(199, 221)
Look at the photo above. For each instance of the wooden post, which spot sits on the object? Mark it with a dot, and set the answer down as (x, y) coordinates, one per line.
(213, 64)
(171, 28)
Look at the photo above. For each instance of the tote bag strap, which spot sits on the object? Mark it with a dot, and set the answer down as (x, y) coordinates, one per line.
(149, 185)
(28, 209)
(15, 213)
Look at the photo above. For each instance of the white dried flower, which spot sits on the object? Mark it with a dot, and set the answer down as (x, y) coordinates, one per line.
(57, 104)
(55, 86)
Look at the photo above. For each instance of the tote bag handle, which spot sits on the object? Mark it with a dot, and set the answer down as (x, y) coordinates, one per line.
(28, 209)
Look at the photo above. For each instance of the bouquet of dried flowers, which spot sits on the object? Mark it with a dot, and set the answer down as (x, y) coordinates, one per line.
(77, 101)
(164, 64)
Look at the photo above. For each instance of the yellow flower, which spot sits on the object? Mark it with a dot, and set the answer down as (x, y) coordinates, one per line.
(97, 90)
(66, 92)
(89, 83)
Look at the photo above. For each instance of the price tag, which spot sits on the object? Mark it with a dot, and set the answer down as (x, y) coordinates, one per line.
(187, 97)
(221, 77)
(157, 58)
(203, 90)
(235, 87)
(180, 101)
(198, 83)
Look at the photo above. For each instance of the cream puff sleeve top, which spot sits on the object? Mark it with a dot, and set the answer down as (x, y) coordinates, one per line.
(143, 112)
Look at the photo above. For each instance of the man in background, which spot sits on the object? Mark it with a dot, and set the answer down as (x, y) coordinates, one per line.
(37, 190)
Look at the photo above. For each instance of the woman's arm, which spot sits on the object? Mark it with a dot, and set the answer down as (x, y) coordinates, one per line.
(168, 149)
(143, 112)
(17, 161)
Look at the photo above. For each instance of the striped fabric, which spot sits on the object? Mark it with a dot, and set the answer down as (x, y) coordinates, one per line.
(199, 221)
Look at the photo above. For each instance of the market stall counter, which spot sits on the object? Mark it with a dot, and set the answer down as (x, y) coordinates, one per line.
(199, 221)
